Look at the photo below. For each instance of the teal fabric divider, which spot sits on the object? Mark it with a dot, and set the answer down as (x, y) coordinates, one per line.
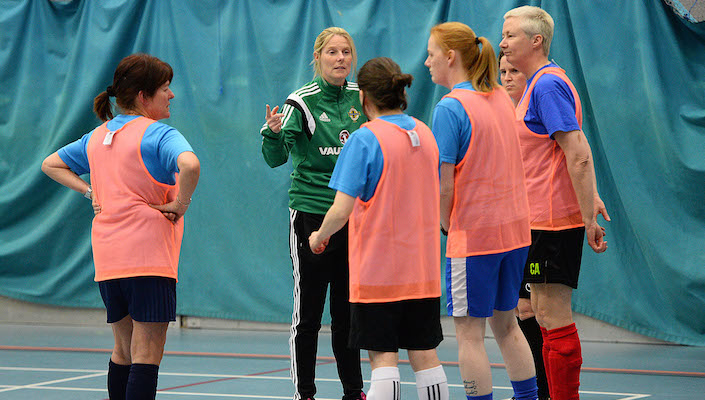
(637, 66)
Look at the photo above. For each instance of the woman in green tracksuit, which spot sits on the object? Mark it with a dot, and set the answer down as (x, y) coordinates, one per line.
(313, 125)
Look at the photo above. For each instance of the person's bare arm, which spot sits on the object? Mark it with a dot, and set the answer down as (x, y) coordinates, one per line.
(56, 169)
(447, 193)
(582, 174)
(189, 172)
(336, 218)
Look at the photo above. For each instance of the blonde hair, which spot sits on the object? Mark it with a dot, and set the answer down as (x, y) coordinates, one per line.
(534, 21)
(321, 42)
(480, 63)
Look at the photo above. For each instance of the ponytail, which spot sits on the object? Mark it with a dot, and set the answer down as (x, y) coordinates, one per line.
(483, 73)
(102, 107)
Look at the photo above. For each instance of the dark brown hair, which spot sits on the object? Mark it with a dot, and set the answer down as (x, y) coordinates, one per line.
(135, 73)
(384, 84)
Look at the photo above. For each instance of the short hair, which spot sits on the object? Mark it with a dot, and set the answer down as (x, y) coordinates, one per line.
(534, 21)
(383, 83)
(135, 73)
(480, 63)
(323, 39)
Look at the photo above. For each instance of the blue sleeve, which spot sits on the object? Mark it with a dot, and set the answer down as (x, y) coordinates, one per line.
(556, 105)
(75, 155)
(359, 166)
(452, 129)
(161, 147)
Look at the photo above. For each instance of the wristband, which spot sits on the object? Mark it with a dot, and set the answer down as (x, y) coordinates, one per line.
(183, 204)
(88, 193)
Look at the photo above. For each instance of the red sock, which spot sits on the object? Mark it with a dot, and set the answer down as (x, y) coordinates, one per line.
(566, 358)
(545, 350)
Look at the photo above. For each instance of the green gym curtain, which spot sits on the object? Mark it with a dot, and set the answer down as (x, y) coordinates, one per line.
(638, 67)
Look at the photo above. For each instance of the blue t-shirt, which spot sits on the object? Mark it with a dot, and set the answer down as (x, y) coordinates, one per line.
(451, 127)
(161, 146)
(556, 106)
(361, 162)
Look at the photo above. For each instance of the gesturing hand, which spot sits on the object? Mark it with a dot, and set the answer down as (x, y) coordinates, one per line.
(274, 119)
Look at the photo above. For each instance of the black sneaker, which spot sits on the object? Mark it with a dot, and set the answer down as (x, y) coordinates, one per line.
(539, 398)
(361, 396)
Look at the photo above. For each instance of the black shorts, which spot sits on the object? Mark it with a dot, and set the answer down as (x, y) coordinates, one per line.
(144, 298)
(388, 327)
(525, 290)
(554, 257)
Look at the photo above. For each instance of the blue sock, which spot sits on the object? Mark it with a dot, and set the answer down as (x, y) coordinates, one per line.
(525, 390)
(485, 397)
(117, 380)
(142, 383)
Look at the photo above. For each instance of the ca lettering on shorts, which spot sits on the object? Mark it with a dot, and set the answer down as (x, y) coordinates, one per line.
(534, 268)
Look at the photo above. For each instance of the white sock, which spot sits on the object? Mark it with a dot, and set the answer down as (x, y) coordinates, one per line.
(384, 384)
(432, 384)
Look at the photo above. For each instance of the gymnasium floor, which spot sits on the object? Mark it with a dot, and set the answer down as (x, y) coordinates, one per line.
(56, 362)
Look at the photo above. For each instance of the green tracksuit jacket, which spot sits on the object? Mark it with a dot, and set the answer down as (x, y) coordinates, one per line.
(318, 119)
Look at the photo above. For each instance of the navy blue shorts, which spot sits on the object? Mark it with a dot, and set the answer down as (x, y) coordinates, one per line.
(143, 298)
